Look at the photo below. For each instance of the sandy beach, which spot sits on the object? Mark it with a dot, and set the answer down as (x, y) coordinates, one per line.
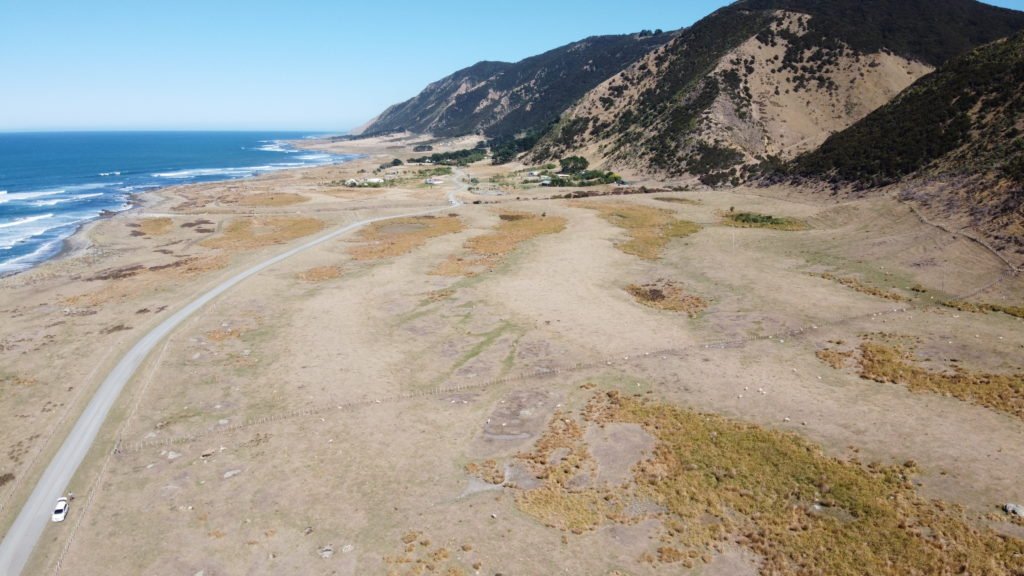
(369, 406)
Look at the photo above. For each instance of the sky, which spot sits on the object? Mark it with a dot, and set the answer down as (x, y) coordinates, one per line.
(308, 65)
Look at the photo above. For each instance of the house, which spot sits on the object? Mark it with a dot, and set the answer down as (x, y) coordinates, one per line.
(374, 181)
(434, 181)
(351, 182)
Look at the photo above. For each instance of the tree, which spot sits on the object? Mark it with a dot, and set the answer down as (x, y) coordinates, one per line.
(574, 164)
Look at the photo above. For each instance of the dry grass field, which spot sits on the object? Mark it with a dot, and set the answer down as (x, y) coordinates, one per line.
(616, 385)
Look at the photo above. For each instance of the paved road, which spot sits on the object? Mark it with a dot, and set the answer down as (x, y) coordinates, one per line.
(21, 539)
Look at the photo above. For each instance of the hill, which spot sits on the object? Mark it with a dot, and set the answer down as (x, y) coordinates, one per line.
(764, 80)
(962, 126)
(502, 99)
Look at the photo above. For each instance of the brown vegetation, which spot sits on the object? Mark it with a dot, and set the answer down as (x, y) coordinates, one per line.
(716, 480)
(393, 238)
(488, 251)
(649, 229)
(320, 274)
(488, 471)
(258, 232)
(885, 362)
(859, 286)
(154, 226)
(667, 295)
(964, 306)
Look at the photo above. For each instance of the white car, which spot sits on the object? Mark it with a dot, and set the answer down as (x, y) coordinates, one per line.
(60, 511)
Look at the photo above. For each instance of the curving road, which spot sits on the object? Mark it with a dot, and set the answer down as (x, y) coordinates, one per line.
(21, 539)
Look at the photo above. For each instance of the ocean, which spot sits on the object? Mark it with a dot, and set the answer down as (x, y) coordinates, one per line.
(53, 183)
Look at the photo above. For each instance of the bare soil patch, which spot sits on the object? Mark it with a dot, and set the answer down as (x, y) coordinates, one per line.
(272, 199)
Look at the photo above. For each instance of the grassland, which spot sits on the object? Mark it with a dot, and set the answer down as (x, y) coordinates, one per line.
(252, 233)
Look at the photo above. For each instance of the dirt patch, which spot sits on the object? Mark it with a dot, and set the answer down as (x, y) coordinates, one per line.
(272, 199)
(895, 364)
(250, 233)
(515, 419)
(649, 229)
(397, 237)
(755, 220)
(320, 274)
(617, 448)
(488, 251)
(859, 286)
(667, 295)
(712, 481)
(6, 478)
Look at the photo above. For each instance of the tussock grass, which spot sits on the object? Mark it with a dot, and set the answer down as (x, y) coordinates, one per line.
(716, 480)
(649, 229)
(884, 362)
(250, 233)
(393, 238)
(859, 286)
(667, 295)
(488, 251)
(488, 471)
(677, 200)
(964, 306)
(755, 220)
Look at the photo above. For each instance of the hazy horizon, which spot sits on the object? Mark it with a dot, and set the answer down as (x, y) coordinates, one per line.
(268, 67)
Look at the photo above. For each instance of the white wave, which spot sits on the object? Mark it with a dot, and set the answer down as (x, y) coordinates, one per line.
(75, 198)
(114, 173)
(25, 220)
(276, 146)
(26, 261)
(35, 194)
(314, 157)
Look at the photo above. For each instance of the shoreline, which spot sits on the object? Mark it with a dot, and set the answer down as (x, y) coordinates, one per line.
(78, 241)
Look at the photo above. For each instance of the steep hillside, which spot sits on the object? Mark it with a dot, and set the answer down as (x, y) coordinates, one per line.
(502, 99)
(763, 80)
(962, 125)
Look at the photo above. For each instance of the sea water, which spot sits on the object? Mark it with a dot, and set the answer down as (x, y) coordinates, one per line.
(53, 183)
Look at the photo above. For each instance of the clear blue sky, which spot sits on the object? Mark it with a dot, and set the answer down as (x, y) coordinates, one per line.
(313, 65)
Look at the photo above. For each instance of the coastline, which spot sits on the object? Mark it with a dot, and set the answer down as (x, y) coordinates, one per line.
(78, 241)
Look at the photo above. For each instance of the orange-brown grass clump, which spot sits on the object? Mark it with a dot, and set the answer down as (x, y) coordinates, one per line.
(713, 480)
(649, 229)
(488, 471)
(393, 238)
(894, 364)
(272, 199)
(667, 295)
(320, 274)
(258, 232)
(964, 306)
(488, 251)
(419, 557)
(863, 288)
(834, 358)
